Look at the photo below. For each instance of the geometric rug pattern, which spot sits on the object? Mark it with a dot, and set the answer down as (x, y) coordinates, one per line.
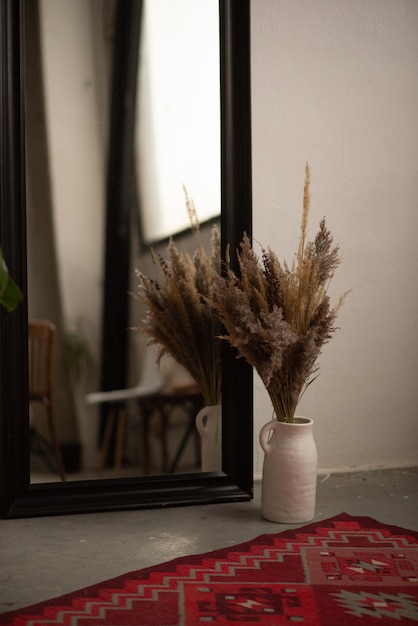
(343, 571)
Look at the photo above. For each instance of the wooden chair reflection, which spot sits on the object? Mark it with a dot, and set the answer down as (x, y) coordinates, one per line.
(153, 399)
(42, 338)
(150, 384)
(189, 398)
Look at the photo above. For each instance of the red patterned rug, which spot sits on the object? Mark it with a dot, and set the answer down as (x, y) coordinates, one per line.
(344, 571)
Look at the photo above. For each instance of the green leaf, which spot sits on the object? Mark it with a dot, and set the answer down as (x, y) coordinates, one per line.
(10, 294)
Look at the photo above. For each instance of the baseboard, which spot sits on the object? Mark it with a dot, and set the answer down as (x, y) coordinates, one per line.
(351, 469)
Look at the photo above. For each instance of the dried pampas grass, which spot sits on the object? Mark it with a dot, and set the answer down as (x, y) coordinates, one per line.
(279, 317)
(179, 316)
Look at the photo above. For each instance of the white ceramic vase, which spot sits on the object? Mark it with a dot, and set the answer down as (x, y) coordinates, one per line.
(290, 466)
(209, 426)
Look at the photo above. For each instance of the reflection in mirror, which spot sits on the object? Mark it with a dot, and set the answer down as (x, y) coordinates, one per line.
(178, 114)
(69, 107)
(26, 179)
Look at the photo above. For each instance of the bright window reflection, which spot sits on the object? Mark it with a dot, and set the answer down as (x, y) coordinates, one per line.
(178, 139)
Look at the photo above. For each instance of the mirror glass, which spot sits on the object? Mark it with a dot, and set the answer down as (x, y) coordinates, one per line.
(69, 52)
(79, 170)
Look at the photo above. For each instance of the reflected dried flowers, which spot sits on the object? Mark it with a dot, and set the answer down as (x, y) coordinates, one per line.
(179, 316)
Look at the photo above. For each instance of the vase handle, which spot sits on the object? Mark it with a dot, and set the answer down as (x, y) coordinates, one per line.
(201, 421)
(264, 435)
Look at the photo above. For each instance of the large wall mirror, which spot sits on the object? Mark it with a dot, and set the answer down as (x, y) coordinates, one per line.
(93, 149)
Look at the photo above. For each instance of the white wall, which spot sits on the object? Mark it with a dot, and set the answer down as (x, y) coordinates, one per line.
(76, 151)
(336, 84)
(76, 147)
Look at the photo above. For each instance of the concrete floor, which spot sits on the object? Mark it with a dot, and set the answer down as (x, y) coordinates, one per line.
(41, 558)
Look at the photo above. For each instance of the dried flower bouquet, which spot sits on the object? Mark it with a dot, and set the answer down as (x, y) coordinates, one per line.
(279, 317)
(179, 316)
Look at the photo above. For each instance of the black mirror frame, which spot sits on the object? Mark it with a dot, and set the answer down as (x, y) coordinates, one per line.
(18, 497)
